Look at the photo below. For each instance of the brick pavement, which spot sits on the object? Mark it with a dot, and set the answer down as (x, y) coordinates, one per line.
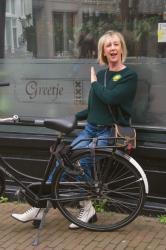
(143, 233)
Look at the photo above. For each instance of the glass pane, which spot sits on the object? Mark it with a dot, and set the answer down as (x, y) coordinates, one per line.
(63, 34)
(74, 32)
(58, 34)
(13, 6)
(8, 5)
(49, 46)
(8, 34)
(22, 7)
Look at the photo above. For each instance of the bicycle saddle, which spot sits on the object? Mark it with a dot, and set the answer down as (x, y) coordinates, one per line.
(63, 124)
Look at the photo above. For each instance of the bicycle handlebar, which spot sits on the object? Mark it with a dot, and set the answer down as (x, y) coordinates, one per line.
(22, 121)
(31, 122)
(13, 118)
(4, 84)
(16, 120)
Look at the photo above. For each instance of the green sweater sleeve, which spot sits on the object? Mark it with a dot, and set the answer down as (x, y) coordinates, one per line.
(120, 93)
(82, 115)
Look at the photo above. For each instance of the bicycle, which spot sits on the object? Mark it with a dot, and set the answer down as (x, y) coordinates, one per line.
(117, 187)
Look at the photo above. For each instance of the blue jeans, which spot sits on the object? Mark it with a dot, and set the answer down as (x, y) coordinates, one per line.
(90, 131)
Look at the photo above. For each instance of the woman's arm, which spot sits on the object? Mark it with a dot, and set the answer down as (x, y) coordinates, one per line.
(121, 92)
(82, 115)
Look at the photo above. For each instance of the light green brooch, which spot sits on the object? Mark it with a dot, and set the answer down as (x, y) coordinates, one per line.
(116, 77)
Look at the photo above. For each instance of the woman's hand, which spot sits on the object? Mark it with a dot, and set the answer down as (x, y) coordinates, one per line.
(93, 75)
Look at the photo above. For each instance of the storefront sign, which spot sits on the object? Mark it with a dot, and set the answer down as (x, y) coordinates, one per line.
(49, 91)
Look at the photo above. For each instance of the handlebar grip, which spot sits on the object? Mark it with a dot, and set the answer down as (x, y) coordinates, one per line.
(27, 121)
(31, 122)
(4, 84)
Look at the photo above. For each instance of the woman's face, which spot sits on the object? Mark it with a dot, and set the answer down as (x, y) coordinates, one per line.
(113, 49)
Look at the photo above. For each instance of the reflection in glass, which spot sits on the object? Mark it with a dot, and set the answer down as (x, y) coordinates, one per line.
(50, 29)
(63, 33)
(13, 6)
(17, 22)
(7, 5)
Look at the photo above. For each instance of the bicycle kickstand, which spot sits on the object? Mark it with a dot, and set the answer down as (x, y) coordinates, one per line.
(36, 241)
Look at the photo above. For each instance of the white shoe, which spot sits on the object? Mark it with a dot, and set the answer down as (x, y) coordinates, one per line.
(33, 213)
(87, 213)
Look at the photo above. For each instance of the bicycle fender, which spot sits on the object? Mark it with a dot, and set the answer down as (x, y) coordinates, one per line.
(137, 166)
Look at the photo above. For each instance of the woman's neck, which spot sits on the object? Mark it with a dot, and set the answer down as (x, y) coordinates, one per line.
(116, 67)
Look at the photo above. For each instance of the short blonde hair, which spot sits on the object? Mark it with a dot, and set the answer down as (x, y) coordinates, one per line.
(101, 57)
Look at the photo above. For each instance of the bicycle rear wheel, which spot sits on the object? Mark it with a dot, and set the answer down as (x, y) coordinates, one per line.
(2, 182)
(117, 192)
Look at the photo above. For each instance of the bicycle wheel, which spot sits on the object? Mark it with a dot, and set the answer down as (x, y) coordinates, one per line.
(117, 191)
(2, 182)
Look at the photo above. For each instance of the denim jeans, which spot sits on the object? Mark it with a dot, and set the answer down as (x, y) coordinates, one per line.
(90, 131)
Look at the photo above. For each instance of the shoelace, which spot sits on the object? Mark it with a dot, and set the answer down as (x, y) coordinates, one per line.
(29, 210)
(81, 213)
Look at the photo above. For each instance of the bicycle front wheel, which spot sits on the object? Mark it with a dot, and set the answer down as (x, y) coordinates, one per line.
(116, 191)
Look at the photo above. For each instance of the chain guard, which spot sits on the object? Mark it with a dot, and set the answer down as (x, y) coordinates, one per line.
(46, 194)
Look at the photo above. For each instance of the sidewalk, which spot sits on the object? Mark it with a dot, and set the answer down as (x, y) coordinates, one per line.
(143, 233)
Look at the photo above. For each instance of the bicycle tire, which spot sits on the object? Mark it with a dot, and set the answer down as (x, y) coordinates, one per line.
(2, 182)
(118, 194)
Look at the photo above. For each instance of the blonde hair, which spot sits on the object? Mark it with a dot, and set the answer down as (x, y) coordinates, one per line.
(101, 57)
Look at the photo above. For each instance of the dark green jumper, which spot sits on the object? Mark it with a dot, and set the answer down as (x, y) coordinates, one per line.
(119, 93)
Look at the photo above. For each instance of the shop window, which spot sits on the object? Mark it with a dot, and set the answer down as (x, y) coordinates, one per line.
(50, 44)
(75, 33)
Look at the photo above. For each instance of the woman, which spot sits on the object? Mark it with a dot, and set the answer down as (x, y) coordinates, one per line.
(119, 92)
